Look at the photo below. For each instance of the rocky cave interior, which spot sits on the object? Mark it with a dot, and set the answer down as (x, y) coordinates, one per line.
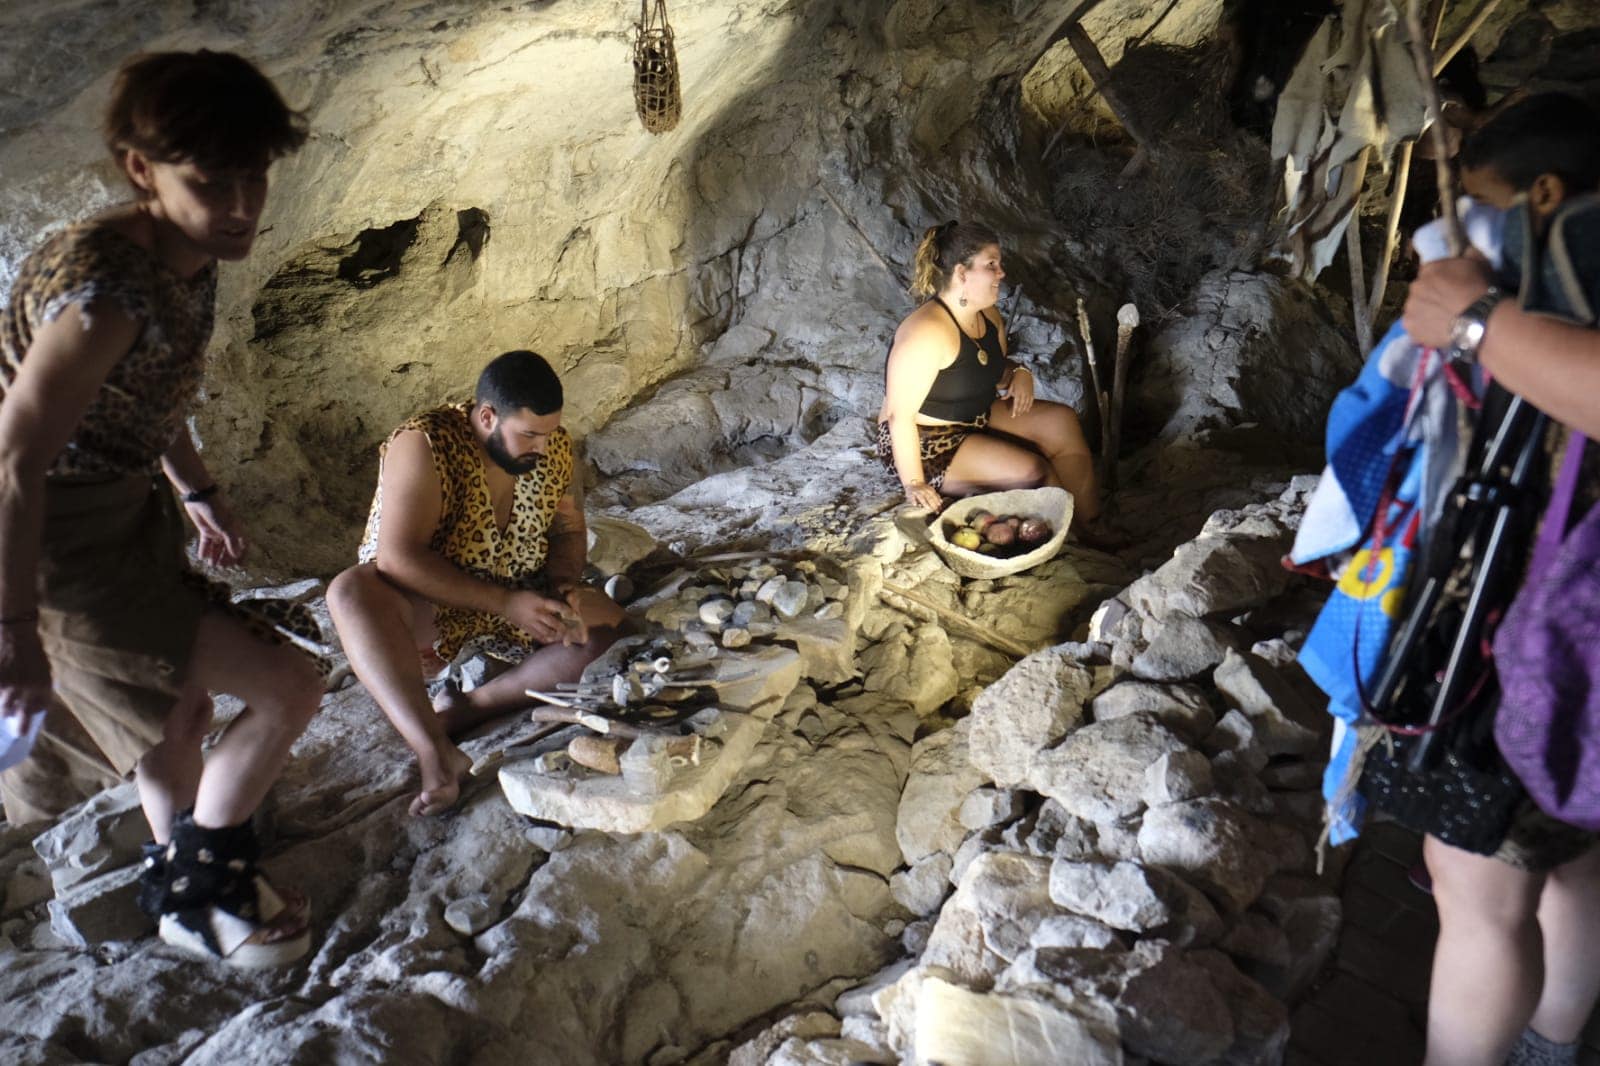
(1094, 847)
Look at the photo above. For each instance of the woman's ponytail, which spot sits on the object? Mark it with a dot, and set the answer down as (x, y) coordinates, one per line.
(943, 248)
(925, 268)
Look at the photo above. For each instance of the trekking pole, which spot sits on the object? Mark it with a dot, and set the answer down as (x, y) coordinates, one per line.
(1505, 498)
(1448, 537)
(1434, 569)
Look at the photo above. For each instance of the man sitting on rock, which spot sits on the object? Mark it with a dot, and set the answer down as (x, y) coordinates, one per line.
(475, 539)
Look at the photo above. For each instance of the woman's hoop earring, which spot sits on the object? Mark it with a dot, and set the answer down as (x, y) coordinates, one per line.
(963, 301)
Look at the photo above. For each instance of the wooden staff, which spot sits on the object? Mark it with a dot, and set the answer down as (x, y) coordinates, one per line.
(1102, 397)
(1095, 65)
(1422, 57)
(1473, 26)
(1397, 199)
(1358, 282)
(962, 622)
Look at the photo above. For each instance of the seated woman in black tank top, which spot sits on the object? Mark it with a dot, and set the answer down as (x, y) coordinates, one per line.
(958, 415)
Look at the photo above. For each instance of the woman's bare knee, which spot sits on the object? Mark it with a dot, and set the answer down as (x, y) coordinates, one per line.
(189, 720)
(1479, 890)
(301, 690)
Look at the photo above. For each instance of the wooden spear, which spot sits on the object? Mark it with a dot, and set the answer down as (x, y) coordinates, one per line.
(967, 626)
(1102, 396)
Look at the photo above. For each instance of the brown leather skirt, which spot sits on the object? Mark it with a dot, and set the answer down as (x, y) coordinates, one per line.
(119, 609)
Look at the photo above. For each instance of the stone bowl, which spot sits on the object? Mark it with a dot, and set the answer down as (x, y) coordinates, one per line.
(1051, 504)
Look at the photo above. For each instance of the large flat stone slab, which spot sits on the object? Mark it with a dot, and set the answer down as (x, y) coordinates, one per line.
(608, 802)
(751, 689)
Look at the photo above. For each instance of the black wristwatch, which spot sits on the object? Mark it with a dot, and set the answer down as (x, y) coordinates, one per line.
(1466, 332)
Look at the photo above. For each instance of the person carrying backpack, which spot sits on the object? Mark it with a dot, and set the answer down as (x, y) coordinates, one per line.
(1516, 970)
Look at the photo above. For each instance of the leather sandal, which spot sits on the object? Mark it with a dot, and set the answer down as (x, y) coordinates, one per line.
(275, 932)
(214, 903)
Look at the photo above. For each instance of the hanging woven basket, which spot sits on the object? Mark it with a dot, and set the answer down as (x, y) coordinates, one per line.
(655, 69)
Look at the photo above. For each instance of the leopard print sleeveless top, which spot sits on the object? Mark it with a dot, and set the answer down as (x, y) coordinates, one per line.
(468, 535)
(142, 405)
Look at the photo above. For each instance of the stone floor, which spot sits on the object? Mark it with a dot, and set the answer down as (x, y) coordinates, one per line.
(1371, 1005)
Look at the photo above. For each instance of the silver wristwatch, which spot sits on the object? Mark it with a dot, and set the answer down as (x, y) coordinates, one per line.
(1466, 332)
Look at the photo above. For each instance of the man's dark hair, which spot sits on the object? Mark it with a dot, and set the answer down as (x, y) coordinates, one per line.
(517, 380)
(1551, 133)
(212, 108)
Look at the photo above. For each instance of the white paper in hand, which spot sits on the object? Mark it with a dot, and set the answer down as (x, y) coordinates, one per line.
(16, 740)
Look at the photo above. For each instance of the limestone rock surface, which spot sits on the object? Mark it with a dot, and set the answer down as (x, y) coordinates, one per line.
(1038, 701)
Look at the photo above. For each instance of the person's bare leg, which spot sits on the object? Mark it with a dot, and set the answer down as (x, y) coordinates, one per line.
(985, 463)
(1569, 920)
(1488, 963)
(168, 775)
(541, 671)
(281, 689)
(1054, 429)
(376, 623)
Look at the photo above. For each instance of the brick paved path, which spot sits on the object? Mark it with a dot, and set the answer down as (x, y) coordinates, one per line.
(1369, 1009)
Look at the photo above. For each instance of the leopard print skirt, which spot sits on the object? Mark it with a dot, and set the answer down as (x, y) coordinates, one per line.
(936, 444)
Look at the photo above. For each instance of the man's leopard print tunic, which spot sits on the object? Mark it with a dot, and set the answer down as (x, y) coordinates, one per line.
(468, 535)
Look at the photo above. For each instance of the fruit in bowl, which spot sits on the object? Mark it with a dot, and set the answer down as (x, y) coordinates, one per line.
(1000, 533)
(998, 536)
(1034, 531)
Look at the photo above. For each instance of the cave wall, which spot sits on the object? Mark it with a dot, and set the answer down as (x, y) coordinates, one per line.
(476, 180)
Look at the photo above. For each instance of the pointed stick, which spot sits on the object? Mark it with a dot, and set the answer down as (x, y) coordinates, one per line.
(1101, 395)
(1472, 27)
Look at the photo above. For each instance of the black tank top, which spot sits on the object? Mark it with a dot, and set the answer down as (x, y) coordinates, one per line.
(966, 388)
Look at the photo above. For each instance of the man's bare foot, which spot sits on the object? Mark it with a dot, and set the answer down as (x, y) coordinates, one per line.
(441, 782)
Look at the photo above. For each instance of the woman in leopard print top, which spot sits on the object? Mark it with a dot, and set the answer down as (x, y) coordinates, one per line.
(102, 349)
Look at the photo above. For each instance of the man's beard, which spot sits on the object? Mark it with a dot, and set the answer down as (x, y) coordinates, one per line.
(505, 460)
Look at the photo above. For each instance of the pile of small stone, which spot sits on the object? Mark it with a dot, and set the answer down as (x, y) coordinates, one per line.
(1113, 855)
(734, 605)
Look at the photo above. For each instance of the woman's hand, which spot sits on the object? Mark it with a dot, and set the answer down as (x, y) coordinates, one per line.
(1443, 290)
(24, 673)
(921, 494)
(1020, 391)
(222, 540)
